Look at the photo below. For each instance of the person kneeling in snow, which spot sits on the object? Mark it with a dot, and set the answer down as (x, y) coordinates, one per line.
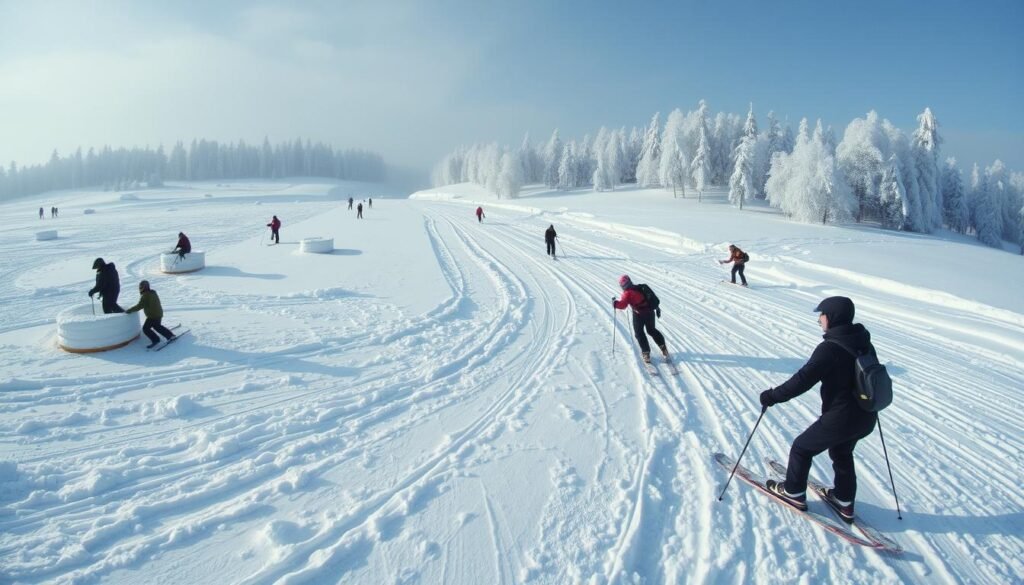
(149, 303)
(184, 246)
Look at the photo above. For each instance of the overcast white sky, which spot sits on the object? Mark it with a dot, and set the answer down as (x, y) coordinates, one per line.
(412, 80)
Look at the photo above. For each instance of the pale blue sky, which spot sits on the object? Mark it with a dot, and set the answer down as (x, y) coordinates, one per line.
(413, 80)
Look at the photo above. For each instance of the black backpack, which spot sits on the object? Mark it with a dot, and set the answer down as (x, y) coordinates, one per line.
(746, 257)
(650, 298)
(874, 386)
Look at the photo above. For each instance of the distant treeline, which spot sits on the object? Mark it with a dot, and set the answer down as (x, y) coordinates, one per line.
(129, 168)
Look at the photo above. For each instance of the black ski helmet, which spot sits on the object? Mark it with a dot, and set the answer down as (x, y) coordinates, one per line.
(839, 310)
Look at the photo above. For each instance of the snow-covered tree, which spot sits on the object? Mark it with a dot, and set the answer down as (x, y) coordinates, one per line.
(510, 178)
(741, 183)
(700, 167)
(613, 158)
(568, 167)
(650, 155)
(808, 184)
(672, 170)
(925, 147)
(552, 160)
(892, 195)
(986, 213)
(631, 155)
(955, 212)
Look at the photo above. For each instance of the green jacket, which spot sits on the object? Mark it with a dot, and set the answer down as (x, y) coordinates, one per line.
(150, 305)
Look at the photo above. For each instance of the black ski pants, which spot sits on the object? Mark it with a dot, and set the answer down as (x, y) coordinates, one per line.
(274, 235)
(110, 305)
(551, 247)
(737, 267)
(154, 324)
(837, 431)
(642, 320)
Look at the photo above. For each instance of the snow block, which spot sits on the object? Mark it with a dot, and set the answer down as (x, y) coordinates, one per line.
(79, 331)
(316, 245)
(171, 264)
(89, 211)
(46, 235)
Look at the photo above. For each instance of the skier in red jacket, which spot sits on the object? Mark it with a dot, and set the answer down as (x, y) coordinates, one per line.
(275, 225)
(643, 317)
(480, 214)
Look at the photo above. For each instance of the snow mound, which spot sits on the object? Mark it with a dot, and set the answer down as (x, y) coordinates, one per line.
(89, 211)
(316, 245)
(171, 264)
(79, 331)
(46, 235)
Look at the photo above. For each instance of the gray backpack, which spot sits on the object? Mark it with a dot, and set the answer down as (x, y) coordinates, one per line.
(874, 386)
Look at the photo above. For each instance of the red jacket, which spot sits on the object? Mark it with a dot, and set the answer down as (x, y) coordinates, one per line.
(275, 224)
(632, 297)
(479, 211)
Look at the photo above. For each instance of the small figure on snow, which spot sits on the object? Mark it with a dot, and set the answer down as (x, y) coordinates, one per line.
(480, 214)
(842, 422)
(40, 213)
(645, 308)
(350, 203)
(739, 259)
(369, 203)
(108, 285)
(275, 225)
(183, 247)
(149, 303)
(56, 212)
(359, 211)
(549, 239)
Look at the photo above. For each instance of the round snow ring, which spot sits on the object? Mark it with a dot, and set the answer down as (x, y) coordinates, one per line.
(172, 264)
(316, 245)
(46, 235)
(79, 331)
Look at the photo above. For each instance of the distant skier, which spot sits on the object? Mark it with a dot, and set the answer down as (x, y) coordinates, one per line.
(56, 212)
(183, 247)
(40, 213)
(480, 214)
(842, 422)
(275, 225)
(108, 285)
(739, 259)
(369, 203)
(350, 203)
(53, 212)
(643, 316)
(149, 303)
(359, 211)
(549, 239)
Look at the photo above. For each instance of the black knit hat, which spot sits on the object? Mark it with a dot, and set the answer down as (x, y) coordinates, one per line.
(98, 263)
(839, 310)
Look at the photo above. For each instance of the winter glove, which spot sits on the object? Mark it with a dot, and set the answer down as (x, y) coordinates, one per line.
(658, 312)
(90, 294)
(767, 399)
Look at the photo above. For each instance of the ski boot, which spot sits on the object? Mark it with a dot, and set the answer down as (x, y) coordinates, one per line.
(778, 489)
(152, 345)
(844, 509)
(664, 351)
(646, 355)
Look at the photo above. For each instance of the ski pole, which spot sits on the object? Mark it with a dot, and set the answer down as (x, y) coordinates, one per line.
(763, 409)
(615, 325)
(899, 515)
(93, 305)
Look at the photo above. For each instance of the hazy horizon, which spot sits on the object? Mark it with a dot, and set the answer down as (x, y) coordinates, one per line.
(412, 82)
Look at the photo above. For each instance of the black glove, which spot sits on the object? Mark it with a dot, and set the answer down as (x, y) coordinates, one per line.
(614, 300)
(767, 399)
(90, 294)
(658, 312)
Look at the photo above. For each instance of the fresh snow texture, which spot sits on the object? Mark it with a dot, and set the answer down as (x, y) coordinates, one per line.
(438, 401)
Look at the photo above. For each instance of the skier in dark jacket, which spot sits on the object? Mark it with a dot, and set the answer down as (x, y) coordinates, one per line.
(842, 422)
(359, 210)
(643, 317)
(275, 225)
(350, 203)
(549, 239)
(183, 247)
(739, 262)
(108, 285)
(480, 214)
(150, 305)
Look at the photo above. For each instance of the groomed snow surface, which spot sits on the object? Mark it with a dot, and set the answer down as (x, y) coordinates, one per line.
(437, 401)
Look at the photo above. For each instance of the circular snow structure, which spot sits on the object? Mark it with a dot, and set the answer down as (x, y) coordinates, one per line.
(89, 211)
(79, 331)
(46, 235)
(171, 263)
(316, 245)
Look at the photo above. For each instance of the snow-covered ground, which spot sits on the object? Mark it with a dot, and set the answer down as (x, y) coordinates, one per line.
(437, 401)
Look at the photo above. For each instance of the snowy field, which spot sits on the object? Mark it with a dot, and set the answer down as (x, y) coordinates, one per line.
(437, 401)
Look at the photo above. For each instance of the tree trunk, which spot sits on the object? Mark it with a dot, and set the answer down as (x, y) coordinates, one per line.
(824, 217)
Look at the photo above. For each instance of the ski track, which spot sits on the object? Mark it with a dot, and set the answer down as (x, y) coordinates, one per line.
(103, 495)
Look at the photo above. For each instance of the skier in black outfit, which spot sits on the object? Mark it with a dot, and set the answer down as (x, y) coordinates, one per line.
(549, 239)
(108, 285)
(359, 211)
(350, 203)
(842, 422)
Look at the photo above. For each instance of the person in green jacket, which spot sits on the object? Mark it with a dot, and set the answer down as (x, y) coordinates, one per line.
(149, 304)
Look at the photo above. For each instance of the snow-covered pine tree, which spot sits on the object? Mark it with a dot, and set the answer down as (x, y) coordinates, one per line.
(633, 148)
(700, 167)
(925, 145)
(510, 178)
(892, 195)
(650, 155)
(741, 183)
(986, 213)
(613, 158)
(955, 212)
(552, 160)
(672, 166)
(568, 167)
(808, 185)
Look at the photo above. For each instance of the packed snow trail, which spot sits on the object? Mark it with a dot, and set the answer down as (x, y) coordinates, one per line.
(440, 403)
